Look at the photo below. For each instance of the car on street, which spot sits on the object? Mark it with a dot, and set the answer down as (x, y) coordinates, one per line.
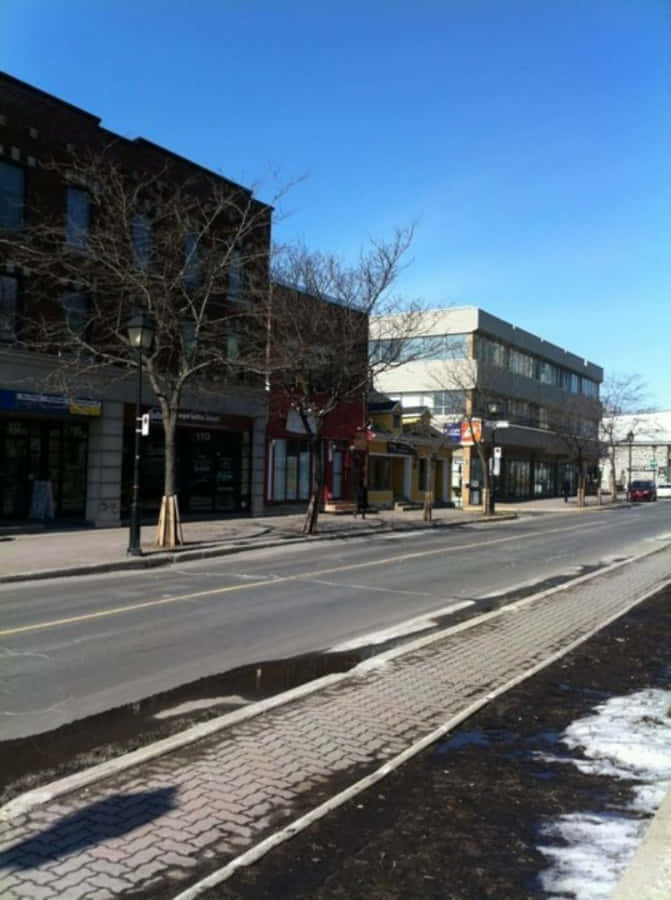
(642, 490)
(664, 491)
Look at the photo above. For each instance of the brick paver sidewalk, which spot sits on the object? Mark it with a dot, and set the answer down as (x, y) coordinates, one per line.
(164, 823)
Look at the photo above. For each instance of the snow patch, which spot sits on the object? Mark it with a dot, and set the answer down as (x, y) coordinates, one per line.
(627, 738)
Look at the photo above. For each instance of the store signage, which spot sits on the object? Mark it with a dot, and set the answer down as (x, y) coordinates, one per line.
(190, 417)
(471, 432)
(56, 404)
(398, 447)
(452, 431)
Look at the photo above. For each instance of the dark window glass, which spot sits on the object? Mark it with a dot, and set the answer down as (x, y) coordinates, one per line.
(77, 217)
(76, 312)
(9, 290)
(11, 196)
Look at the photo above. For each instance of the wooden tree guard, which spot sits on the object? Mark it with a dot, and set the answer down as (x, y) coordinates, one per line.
(169, 531)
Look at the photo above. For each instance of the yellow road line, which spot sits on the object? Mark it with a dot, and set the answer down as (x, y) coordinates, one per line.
(269, 582)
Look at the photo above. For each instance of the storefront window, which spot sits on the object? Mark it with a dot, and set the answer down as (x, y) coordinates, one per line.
(518, 478)
(422, 478)
(336, 474)
(544, 484)
(379, 473)
(290, 470)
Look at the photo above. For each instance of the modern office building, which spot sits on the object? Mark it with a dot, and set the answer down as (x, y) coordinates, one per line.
(538, 403)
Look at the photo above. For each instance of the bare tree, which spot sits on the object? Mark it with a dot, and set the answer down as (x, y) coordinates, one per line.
(318, 335)
(575, 424)
(620, 395)
(181, 245)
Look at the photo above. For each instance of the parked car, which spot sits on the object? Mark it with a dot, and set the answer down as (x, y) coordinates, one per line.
(664, 491)
(642, 490)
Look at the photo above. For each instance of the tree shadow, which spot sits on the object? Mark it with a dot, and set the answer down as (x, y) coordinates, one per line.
(109, 818)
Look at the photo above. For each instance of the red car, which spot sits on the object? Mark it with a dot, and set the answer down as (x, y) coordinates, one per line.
(642, 490)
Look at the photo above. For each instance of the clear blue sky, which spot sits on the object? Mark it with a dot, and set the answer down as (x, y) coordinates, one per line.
(530, 139)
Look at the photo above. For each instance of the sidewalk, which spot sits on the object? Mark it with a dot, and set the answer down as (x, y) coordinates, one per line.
(53, 552)
(167, 816)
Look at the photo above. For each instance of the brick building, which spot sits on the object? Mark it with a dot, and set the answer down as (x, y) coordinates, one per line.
(78, 440)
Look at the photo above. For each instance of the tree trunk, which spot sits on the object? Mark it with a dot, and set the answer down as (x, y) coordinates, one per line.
(312, 512)
(486, 481)
(169, 529)
(581, 483)
(613, 475)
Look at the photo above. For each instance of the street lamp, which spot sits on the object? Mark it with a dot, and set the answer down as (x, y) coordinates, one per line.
(630, 440)
(140, 335)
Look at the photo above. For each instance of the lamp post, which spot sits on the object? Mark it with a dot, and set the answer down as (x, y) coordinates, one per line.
(630, 441)
(494, 410)
(140, 335)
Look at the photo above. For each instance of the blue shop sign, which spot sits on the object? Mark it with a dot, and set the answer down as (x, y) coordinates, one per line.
(452, 431)
(56, 404)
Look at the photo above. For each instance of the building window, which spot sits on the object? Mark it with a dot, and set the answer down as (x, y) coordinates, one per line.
(77, 217)
(422, 475)
(9, 294)
(76, 308)
(491, 352)
(191, 261)
(11, 196)
(521, 363)
(141, 235)
(289, 470)
(589, 388)
(235, 277)
(446, 403)
(548, 373)
(379, 473)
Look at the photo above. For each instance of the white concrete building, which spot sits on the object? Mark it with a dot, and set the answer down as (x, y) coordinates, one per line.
(468, 362)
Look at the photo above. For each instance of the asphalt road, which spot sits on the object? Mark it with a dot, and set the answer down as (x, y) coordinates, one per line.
(72, 647)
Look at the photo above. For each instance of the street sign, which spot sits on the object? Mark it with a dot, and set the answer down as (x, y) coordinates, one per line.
(653, 463)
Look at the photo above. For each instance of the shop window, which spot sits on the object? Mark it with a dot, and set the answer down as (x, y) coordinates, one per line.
(379, 473)
(336, 474)
(423, 474)
(289, 470)
(11, 196)
(9, 291)
(77, 217)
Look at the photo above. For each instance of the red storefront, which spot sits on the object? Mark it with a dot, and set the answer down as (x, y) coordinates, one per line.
(289, 460)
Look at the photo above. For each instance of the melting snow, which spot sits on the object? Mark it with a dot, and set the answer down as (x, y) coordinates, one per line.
(629, 738)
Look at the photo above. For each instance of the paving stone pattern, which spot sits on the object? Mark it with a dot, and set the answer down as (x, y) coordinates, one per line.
(154, 824)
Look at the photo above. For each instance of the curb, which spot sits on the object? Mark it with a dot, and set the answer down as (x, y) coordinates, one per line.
(165, 559)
